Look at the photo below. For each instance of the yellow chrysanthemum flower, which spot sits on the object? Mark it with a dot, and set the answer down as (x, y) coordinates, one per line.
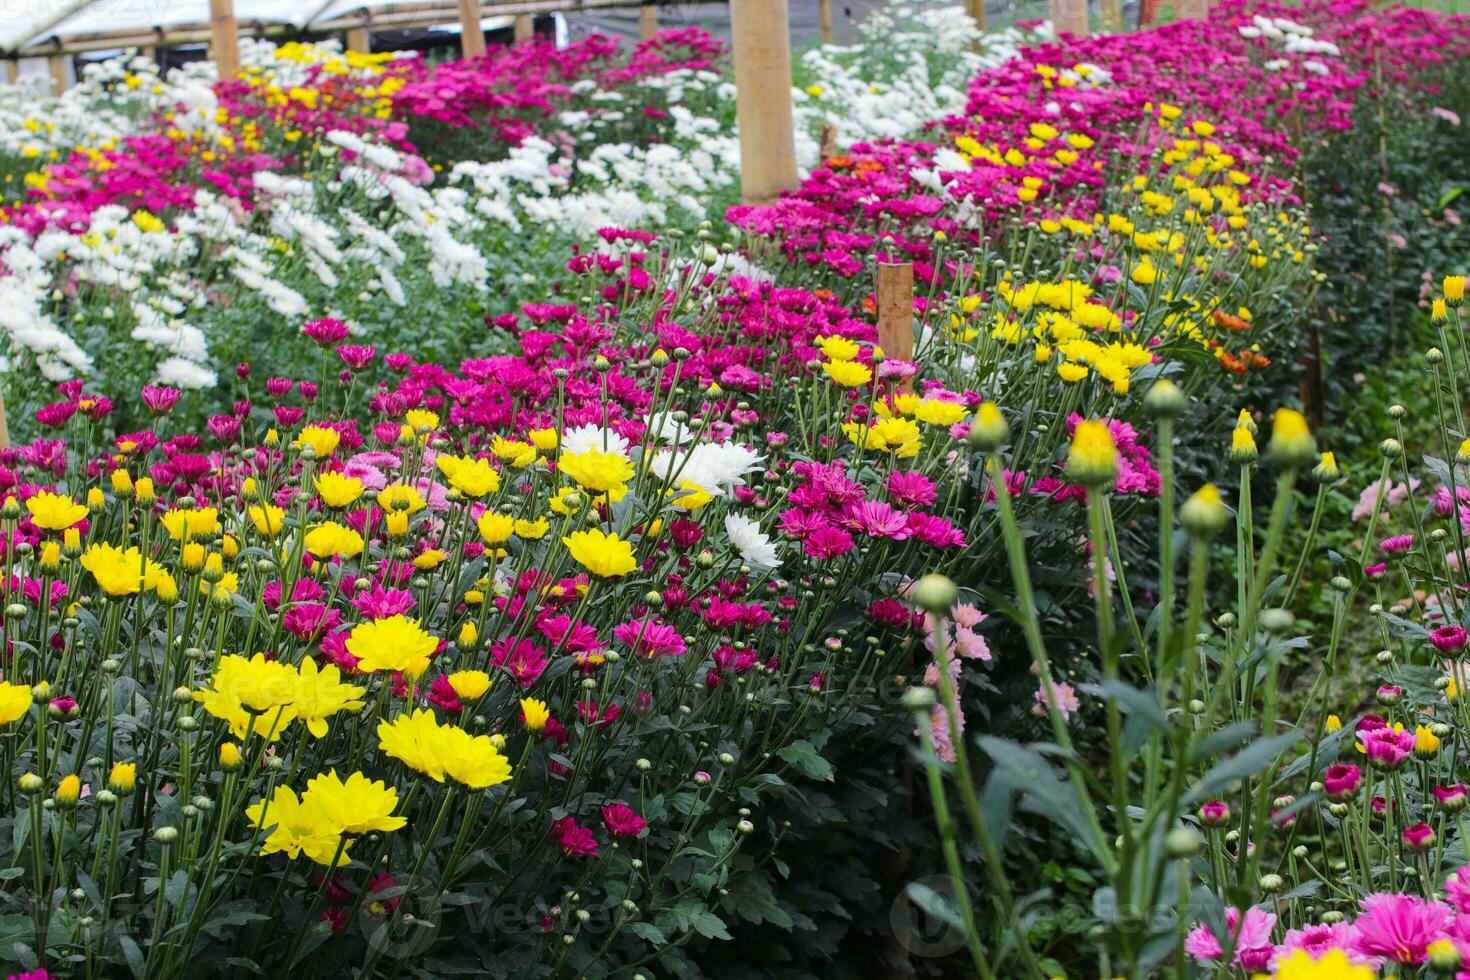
(604, 555)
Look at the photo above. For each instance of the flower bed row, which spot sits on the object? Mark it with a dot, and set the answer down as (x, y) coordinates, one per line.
(159, 229)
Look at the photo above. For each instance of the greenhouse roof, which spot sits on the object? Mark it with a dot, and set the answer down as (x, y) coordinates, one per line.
(79, 25)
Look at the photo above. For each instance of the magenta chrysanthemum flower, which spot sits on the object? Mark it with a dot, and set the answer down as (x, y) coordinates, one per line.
(522, 658)
(650, 638)
(1386, 747)
(1399, 928)
(1318, 939)
(1447, 639)
(160, 400)
(1457, 889)
(879, 520)
(1252, 939)
(325, 332)
(1340, 782)
(574, 840)
(381, 603)
(828, 542)
(911, 489)
(356, 357)
(621, 821)
(1396, 545)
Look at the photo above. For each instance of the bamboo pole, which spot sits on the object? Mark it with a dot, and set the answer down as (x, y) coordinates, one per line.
(358, 39)
(1194, 9)
(1071, 17)
(472, 35)
(60, 74)
(525, 27)
(4, 426)
(224, 38)
(824, 17)
(896, 310)
(976, 10)
(647, 20)
(761, 33)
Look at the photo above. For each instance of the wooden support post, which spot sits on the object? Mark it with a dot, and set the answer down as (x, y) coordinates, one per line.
(60, 73)
(647, 20)
(896, 310)
(824, 17)
(829, 140)
(472, 35)
(761, 33)
(976, 10)
(525, 27)
(4, 426)
(1193, 9)
(359, 40)
(12, 71)
(1071, 17)
(1110, 16)
(224, 38)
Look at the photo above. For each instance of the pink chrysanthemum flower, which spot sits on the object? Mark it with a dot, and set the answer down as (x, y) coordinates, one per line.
(1252, 935)
(1399, 928)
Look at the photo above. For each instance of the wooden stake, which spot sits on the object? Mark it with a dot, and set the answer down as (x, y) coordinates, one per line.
(896, 310)
(472, 35)
(4, 426)
(829, 140)
(1193, 9)
(976, 10)
(1110, 15)
(525, 28)
(60, 75)
(358, 39)
(824, 17)
(647, 21)
(224, 39)
(1071, 17)
(761, 33)
(12, 71)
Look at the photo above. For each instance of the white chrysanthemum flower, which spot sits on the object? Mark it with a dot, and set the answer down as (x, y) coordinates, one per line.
(716, 467)
(588, 437)
(180, 373)
(754, 545)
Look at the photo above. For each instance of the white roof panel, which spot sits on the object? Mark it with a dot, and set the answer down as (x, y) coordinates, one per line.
(80, 18)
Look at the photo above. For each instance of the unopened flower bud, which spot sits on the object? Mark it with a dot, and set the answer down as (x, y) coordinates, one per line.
(1181, 842)
(935, 593)
(1164, 400)
(990, 430)
(1204, 514)
(1291, 445)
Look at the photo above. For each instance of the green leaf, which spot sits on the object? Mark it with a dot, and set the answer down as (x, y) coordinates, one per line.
(1046, 795)
(935, 903)
(131, 953)
(709, 925)
(648, 932)
(1247, 762)
(807, 761)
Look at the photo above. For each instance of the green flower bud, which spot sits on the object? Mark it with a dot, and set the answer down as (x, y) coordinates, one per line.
(935, 593)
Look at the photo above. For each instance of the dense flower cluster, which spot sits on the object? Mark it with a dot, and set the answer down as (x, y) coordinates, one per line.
(151, 224)
(489, 532)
